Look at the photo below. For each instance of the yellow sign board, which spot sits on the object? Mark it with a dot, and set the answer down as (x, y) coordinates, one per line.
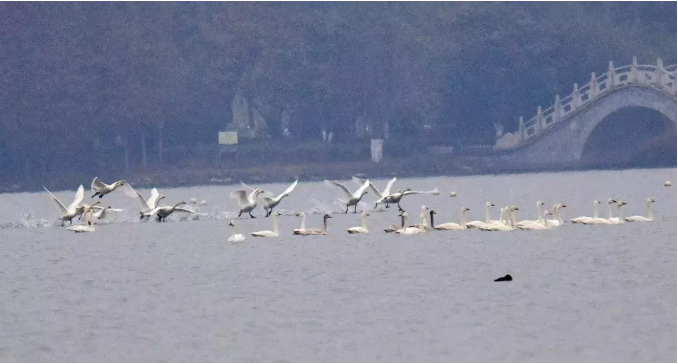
(228, 137)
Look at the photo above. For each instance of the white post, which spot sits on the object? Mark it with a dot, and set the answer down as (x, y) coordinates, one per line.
(610, 76)
(659, 73)
(593, 87)
(634, 70)
(576, 99)
(521, 128)
(539, 120)
(556, 107)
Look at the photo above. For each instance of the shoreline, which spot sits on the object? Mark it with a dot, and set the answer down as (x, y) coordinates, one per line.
(417, 166)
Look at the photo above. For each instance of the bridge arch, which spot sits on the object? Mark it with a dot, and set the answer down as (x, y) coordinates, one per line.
(563, 133)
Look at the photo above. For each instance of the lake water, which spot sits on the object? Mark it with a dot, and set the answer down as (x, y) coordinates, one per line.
(179, 291)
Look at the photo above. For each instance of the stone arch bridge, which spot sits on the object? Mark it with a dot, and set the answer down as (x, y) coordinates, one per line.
(564, 133)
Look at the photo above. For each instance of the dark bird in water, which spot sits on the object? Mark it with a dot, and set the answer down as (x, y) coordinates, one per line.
(504, 278)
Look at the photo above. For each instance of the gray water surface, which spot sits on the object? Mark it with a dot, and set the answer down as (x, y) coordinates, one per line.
(178, 291)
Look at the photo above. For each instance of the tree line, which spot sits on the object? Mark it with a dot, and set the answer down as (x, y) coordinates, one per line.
(112, 85)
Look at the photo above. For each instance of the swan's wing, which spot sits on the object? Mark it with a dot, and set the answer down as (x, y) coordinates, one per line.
(289, 189)
(183, 209)
(387, 190)
(362, 188)
(79, 195)
(128, 190)
(241, 196)
(99, 208)
(247, 187)
(375, 190)
(332, 183)
(358, 180)
(144, 203)
(56, 200)
(97, 184)
(153, 200)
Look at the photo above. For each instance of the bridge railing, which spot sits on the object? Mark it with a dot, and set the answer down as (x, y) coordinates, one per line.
(654, 76)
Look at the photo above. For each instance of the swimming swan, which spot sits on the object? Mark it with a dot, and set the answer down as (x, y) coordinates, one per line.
(393, 228)
(619, 219)
(411, 230)
(100, 189)
(267, 233)
(478, 223)
(353, 198)
(302, 229)
(235, 237)
(539, 216)
(362, 229)
(246, 202)
(506, 220)
(558, 221)
(73, 210)
(585, 219)
(600, 220)
(322, 231)
(544, 223)
(648, 218)
(270, 203)
(453, 226)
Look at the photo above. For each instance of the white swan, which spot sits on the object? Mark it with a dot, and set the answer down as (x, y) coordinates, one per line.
(147, 205)
(539, 216)
(100, 189)
(453, 226)
(380, 194)
(585, 219)
(353, 198)
(163, 212)
(87, 225)
(102, 212)
(396, 197)
(558, 221)
(322, 231)
(73, 210)
(302, 229)
(267, 233)
(411, 230)
(270, 203)
(422, 218)
(235, 237)
(600, 220)
(506, 220)
(478, 223)
(362, 229)
(619, 219)
(542, 224)
(649, 216)
(246, 202)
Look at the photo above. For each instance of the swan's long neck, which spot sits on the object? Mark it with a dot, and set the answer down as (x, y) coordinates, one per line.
(303, 223)
(512, 218)
(560, 219)
(619, 213)
(487, 214)
(275, 224)
(539, 215)
(405, 220)
(649, 211)
(402, 221)
(325, 225)
(364, 222)
(595, 211)
(422, 221)
(609, 211)
(233, 229)
(432, 223)
(175, 206)
(463, 219)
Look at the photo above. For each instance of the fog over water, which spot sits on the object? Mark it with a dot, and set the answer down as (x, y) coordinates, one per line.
(179, 291)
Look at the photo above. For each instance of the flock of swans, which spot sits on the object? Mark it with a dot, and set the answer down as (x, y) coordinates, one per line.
(248, 199)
